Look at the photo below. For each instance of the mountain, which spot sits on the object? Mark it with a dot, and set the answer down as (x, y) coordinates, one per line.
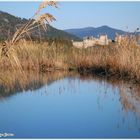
(91, 31)
(9, 23)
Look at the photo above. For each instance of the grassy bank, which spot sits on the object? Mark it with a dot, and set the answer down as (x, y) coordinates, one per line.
(119, 61)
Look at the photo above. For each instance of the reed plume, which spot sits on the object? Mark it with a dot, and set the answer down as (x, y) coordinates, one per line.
(36, 21)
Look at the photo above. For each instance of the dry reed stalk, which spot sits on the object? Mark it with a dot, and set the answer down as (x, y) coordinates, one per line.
(36, 21)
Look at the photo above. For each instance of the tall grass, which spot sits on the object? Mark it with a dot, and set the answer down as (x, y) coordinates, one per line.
(36, 21)
(112, 60)
(122, 61)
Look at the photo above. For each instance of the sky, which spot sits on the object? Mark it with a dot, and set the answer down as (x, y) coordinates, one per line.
(120, 15)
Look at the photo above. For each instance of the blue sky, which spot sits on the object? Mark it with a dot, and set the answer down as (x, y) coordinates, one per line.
(121, 15)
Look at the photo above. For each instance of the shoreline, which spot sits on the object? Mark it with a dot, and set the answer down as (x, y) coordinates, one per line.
(120, 62)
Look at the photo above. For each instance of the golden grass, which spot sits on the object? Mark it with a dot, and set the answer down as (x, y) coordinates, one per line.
(36, 21)
(112, 60)
(121, 61)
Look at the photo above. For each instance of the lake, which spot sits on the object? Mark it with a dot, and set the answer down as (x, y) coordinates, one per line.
(63, 105)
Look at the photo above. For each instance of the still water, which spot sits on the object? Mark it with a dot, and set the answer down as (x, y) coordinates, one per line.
(71, 107)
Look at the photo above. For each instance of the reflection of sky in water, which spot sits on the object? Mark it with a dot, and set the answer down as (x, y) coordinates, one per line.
(69, 108)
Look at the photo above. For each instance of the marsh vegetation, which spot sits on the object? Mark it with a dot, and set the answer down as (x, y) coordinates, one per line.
(20, 52)
(122, 62)
(44, 84)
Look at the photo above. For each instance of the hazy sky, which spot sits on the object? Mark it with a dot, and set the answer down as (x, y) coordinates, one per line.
(83, 14)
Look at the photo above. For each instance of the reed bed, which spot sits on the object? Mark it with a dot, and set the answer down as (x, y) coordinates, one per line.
(121, 61)
(37, 21)
(118, 61)
(112, 60)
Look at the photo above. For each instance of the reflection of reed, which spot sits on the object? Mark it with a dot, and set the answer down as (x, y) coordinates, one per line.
(12, 82)
(130, 100)
(129, 92)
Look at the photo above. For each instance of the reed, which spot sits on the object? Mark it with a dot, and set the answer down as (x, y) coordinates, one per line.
(121, 61)
(36, 21)
(112, 60)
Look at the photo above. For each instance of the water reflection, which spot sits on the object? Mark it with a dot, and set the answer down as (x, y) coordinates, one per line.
(63, 104)
(15, 82)
(12, 82)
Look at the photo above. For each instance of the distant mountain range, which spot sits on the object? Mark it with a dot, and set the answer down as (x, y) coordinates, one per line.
(91, 31)
(8, 24)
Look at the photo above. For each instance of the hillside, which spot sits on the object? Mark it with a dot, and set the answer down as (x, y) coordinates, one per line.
(91, 31)
(9, 23)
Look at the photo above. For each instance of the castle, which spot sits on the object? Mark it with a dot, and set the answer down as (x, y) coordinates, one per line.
(92, 41)
(104, 40)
